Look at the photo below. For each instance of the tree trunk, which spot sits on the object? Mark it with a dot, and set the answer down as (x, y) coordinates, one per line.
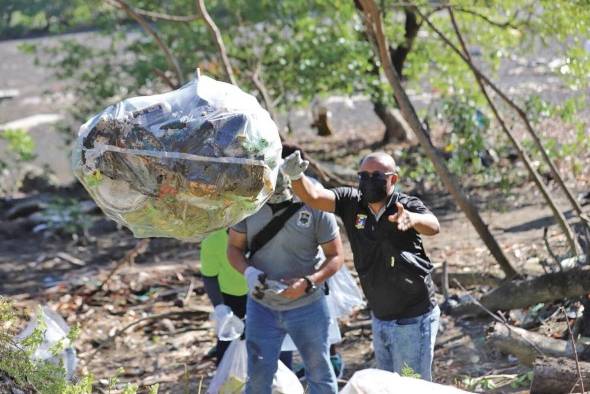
(393, 121)
(556, 376)
(523, 293)
(526, 345)
(372, 20)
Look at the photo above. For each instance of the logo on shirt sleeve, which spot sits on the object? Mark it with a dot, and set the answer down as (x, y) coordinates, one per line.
(360, 221)
(304, 219)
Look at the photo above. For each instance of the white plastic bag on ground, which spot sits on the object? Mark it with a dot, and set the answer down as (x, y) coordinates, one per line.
(56, 330)
(345, 295)
(376, 381)
(286, 382)
(180, 164)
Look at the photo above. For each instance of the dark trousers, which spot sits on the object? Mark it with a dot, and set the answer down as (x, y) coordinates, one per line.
(238, 306)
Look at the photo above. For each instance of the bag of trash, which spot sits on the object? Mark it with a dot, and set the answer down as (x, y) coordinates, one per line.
(285, 381)
(232, 372)
(227, 325)
(180, 164)
(344, 294)
(373, 381)
(55, 330)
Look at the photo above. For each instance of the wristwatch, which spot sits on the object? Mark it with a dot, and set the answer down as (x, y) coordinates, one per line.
(310, 285)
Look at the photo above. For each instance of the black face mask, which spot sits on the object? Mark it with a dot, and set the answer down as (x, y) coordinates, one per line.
(373, 190)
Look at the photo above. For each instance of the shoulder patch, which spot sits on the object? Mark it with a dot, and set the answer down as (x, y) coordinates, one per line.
(304, 219)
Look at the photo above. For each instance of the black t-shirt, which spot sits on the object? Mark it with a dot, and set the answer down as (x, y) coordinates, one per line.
(393, 267)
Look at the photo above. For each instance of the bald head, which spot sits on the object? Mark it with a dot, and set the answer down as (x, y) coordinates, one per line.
(380, 161)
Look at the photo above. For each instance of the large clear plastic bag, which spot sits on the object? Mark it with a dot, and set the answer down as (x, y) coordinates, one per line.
(344, 294)
(180, 164)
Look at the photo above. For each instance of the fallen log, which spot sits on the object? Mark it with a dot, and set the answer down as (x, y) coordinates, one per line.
(526, 345)
(559, 375)
(523, 293)
(466, 279)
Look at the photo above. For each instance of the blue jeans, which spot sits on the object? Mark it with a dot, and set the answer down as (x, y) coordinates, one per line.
(406, 342)
(307, 326)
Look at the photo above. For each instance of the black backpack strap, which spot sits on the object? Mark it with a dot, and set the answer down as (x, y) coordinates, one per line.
(272, 228)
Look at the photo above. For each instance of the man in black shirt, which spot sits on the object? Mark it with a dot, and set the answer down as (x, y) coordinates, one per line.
(384, 229)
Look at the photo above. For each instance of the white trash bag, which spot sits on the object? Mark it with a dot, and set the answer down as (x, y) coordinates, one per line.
(376, 381)
(180, 164)
(232, 373)
(344, 294)
(56, 330)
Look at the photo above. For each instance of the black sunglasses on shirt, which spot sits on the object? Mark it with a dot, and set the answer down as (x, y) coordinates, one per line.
(365, 175)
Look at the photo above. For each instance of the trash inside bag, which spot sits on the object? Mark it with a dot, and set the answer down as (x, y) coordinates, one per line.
(56, 330)
(180, 164)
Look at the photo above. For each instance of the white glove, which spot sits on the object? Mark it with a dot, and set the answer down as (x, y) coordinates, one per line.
(252, 277)
(293, 166)
(220, 313)
(227, 326)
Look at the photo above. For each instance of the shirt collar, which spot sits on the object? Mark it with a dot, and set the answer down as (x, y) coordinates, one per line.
(392, 198)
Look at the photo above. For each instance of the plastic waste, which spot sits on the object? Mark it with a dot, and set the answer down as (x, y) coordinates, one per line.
(227, 325)
(344, 294)
(56, 331)
(232, 373)
(376, 381)
(180, 164)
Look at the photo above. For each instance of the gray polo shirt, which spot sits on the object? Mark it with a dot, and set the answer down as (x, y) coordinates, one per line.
(293, 252)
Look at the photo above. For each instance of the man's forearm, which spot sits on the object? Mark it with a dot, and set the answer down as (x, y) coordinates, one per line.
(304, 189)
(425, 224)
(237, 259)
(329, 268)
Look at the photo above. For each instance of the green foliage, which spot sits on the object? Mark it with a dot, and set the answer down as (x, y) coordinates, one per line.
(65, 216)
(19, 17)
(408, 372)
(40, 376)
(467, 138)
(523, 380)
(16, 149)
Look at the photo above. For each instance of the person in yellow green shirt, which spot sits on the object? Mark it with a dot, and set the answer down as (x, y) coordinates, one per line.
(223, 284)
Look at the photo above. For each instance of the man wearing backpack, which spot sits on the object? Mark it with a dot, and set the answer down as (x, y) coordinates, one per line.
(279, 250)
(384, 229)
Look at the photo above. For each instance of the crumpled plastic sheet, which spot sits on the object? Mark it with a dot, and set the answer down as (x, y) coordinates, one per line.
(180, 164)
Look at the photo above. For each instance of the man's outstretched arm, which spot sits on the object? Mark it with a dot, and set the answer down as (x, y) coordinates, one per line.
(311, 193)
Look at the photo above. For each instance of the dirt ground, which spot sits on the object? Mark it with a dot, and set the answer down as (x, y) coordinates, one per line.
(172, 349)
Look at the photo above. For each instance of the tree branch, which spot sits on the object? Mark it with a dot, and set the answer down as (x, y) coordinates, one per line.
(521, 113)
(218, 40)
(504, 25)
(374, 28)
(166, 17)
(122, 5)
(480, 78)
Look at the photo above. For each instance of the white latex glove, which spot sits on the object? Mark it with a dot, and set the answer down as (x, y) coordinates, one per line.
(227, 325)
(252, 274)
(294, 166)
(220, 313)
